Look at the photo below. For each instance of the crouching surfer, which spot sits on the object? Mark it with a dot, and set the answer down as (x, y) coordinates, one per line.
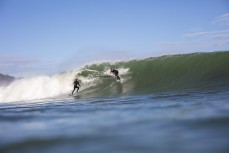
(76, 85)
(115, 72)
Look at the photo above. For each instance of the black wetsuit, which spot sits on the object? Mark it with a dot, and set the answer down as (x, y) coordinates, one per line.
(76, 85)
(115, 72)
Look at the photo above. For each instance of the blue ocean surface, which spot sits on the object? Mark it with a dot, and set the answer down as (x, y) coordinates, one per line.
(168, 104)
(177, 122)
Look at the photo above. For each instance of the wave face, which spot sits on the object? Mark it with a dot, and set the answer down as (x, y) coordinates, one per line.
(197, 71)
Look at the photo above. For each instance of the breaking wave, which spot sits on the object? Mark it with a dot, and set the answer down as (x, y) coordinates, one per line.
(196, 71)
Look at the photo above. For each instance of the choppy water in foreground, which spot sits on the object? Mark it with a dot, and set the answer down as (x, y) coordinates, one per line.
(195, 122)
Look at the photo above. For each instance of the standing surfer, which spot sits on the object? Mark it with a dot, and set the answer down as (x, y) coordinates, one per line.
(76, 85)
(115, 72)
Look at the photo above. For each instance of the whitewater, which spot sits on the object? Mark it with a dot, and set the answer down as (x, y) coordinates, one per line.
(56, 86)
(172, 103)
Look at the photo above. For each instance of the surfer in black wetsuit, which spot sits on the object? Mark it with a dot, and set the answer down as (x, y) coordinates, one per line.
(76, 85)
(115, 72)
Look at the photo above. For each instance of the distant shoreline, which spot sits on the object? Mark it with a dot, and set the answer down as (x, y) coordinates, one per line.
(6, 79)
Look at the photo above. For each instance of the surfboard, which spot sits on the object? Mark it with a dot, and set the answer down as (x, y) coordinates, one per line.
(70, 94)
(73, 95)
(118, 78)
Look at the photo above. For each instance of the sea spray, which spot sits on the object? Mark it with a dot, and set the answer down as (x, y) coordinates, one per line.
(37, 87)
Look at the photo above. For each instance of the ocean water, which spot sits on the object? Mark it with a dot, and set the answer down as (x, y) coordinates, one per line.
(176, 103)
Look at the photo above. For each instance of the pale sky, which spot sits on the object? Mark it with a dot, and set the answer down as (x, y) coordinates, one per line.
(49, 36)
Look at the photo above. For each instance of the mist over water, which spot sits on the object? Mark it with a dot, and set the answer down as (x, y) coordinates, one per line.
(37, 87)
